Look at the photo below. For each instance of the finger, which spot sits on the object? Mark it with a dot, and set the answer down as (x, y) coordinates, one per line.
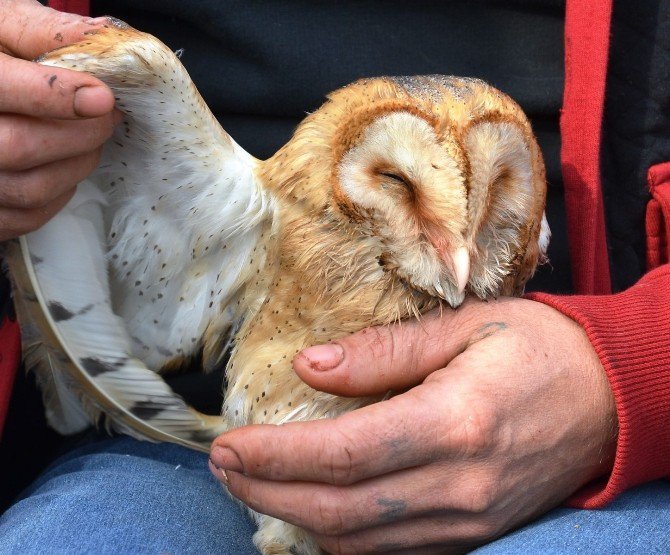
(431, 534)
(395, 357)
(334, 517)
(39, 186)
(322, 508)
(357, 445)
(15, 222)
(42, 91)
(27, 142)
(375, 359)
(28, 29)
(443, 488)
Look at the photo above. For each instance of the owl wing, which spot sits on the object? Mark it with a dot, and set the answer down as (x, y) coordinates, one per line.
(142, 269)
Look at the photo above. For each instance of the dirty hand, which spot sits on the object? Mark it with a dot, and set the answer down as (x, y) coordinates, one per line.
(52, 121)
(507, 411)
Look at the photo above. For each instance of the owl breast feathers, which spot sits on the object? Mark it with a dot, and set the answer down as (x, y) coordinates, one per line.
(395, 196)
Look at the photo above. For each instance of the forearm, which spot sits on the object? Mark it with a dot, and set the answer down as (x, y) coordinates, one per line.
(630, 332)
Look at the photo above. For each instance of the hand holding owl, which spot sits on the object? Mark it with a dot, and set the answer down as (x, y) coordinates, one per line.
(52, 123)
(508, 412)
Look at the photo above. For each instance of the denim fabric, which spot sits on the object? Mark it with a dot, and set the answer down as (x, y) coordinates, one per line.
(123, 496)
(636, 522)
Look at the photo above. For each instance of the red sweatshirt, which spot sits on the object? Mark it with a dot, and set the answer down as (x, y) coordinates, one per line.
(631, 330)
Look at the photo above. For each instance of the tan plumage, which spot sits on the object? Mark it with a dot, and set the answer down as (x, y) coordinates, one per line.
(396, 195)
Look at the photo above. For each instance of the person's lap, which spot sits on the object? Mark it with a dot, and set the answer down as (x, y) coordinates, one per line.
(123, 496)
(120, 495)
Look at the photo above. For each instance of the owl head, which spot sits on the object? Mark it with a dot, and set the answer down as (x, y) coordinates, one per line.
(442, 174)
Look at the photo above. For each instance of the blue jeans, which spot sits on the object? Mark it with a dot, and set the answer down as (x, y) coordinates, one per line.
(123, 496)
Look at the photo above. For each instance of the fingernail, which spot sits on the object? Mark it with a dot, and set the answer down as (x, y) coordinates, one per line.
(225, 458)
(324, 357)
(219, 473)
(92, 102)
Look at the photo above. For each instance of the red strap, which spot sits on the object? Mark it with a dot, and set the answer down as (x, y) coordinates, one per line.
(10, 357)
(658, 216)
(81, 7)
(587, 28)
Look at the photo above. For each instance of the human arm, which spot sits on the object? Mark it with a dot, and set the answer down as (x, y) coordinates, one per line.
(53, 122)
(508, 413)
(630, 331)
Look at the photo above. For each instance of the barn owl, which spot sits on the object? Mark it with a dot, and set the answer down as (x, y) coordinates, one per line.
(396, 196)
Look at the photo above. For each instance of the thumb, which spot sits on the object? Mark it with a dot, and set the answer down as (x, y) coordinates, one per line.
(378, 359)
(28, 29)
(50, 92)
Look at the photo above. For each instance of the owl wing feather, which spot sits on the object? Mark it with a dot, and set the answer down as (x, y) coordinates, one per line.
(159, 242)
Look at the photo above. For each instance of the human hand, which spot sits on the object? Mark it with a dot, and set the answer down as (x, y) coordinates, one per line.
(52, 121)
(509, 411)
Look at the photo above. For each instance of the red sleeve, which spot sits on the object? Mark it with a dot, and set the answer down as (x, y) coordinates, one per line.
(82, 7)
(10, 356)
(631, 334)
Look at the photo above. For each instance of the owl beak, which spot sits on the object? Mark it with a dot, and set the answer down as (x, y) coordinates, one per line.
(461, 264)
(457, 261)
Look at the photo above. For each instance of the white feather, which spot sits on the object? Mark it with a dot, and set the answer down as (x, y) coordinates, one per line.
(159, 242)
(545, 234)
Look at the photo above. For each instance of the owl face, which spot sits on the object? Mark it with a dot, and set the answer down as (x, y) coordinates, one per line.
(403, 184)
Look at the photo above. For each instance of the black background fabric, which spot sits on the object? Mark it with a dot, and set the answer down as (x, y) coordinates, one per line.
(636, 127)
